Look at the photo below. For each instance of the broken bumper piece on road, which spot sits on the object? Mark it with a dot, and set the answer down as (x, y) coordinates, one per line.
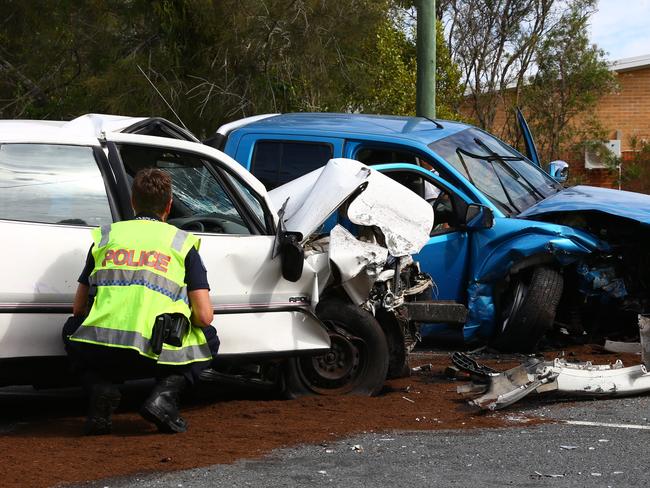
(492, 390)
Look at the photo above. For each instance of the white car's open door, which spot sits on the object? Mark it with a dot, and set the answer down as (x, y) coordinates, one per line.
(258, 312)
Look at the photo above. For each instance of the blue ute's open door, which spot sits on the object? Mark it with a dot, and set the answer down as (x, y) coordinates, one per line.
(531, 150)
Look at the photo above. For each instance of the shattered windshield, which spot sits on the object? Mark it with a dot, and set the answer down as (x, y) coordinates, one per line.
(199, 191)
(502, 174)
(199, 195)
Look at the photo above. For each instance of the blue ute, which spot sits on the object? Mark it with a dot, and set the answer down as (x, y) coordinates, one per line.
(576, 258)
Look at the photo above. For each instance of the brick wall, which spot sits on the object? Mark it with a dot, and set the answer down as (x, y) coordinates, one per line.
(623, 114)
(628, 110)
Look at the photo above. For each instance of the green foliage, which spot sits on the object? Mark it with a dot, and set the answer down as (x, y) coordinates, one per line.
(390, 80)
(388, 86)
(212, 60)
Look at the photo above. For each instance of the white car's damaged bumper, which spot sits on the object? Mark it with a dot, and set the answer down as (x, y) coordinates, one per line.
(393, 223)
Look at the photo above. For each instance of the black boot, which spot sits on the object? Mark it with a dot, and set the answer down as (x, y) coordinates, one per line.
(104, 399)
(161, 407)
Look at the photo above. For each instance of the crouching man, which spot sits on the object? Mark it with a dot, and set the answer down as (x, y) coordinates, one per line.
(150, 312)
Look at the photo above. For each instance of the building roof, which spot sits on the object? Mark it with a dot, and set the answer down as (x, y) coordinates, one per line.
(629, 64)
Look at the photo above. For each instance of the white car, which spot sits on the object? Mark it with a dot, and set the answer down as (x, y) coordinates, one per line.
(59, 179)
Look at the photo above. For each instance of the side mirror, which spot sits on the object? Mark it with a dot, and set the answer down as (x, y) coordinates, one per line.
(287, 245)
(478, 217)
(292, 255)
(559, 170)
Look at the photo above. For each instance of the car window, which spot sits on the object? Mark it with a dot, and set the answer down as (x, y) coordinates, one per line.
(275, 163)
(385, 155)
(371, 156)
(506, 177)
(55, 184)
(254, 201)
(445, 215)
(485, 178)
(200, 201)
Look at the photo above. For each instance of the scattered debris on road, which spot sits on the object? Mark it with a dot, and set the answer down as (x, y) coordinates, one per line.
(546, 475)
(422, 368)
(238, 423)
(492, 390)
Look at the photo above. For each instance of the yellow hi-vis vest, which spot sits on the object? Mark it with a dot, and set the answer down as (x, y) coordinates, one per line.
(139, 274)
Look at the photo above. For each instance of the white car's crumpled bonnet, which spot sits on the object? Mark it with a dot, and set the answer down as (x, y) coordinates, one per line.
(404, 218)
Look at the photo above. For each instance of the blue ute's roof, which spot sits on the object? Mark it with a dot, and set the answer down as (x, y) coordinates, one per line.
(413, 128)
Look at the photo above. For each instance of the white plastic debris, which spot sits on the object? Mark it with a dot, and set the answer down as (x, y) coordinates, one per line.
(424, 367)
(548, 475)
(357, 448)
(569, 448)
(579, 379)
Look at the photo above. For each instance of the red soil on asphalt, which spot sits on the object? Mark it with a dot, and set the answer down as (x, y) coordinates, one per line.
(49, 449)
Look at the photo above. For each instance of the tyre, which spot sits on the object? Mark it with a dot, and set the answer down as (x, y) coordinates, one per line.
(357, 362)
(527, 309)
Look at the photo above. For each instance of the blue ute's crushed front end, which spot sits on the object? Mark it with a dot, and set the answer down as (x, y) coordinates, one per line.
(509, 245)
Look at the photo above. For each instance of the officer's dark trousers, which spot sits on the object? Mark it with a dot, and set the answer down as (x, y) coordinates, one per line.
(117, 364)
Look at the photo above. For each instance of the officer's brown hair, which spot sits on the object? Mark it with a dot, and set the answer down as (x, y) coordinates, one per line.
(151, 191)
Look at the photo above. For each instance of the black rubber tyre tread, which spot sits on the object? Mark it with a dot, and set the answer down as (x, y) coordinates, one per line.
(358, 322)
(398, 363)
(536, 314)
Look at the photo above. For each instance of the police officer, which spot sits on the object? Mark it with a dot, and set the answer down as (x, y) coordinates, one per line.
(136, 272)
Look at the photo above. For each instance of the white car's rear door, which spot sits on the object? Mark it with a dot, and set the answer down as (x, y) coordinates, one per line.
(51, 195)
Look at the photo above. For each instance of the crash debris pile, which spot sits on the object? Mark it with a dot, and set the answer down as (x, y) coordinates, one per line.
(492, 390)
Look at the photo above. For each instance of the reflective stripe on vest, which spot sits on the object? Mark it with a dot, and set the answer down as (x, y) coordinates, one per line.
(144, 277)
(105, 231)
(179, 240)
(134, 340)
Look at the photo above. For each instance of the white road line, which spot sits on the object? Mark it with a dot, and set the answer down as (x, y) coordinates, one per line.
(604, 424)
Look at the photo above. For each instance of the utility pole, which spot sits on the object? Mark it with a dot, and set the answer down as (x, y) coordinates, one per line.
(425, 98)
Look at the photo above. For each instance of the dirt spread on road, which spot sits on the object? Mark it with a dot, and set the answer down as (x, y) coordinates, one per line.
(46, 448)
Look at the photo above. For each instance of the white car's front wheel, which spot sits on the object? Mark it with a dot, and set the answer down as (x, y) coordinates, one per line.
(357, 362)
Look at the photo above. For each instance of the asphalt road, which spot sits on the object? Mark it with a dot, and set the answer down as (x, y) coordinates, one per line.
(551, 454)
